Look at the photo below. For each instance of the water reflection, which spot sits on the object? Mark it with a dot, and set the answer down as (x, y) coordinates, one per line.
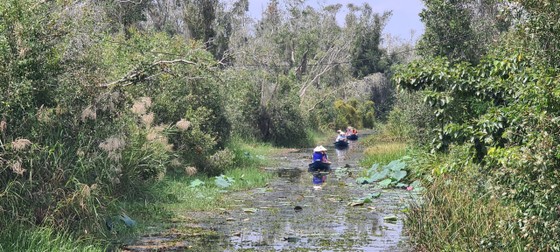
(319, 178)
(341, 154)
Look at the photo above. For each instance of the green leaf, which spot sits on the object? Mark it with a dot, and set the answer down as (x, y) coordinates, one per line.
(395, 165)
(398, 175)
(196, 183)
(374, 195)
(223, 181)
(384, 183)
(390, 218)
(379, 175)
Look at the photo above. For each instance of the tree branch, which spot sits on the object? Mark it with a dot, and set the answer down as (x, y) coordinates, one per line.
(140, 74)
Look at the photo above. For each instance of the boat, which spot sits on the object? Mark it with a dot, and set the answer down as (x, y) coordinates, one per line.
(341, 144)
(319, 167)
(352, 137)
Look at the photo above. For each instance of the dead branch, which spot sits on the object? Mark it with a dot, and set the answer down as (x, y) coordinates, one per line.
(141, 74)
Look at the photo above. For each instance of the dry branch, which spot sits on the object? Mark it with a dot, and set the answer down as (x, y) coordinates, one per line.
(140, 74)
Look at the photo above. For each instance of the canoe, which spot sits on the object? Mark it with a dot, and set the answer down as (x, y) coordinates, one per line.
(319, 166)
(352, 137)
(341, 144)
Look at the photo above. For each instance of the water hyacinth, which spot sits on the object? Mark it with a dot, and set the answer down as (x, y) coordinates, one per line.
(20, 144)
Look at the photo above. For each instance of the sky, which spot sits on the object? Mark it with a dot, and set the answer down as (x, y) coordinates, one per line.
(404, 19)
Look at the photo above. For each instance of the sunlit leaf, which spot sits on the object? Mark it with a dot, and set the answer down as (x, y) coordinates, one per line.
(384, 183)
(379, 175)
(196, 183)
(398, 175)
(223, 181)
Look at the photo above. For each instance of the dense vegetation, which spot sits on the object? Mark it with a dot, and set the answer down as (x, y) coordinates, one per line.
(107, 102)
(489, 73)
(102, 100)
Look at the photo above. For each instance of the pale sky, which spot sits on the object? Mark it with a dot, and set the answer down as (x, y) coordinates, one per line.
(404, 19)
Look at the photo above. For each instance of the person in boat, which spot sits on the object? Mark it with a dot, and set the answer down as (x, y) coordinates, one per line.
(351, 131)
(341, 136)
(320, 159)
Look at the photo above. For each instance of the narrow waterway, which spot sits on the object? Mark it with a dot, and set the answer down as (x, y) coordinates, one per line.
(290, 214)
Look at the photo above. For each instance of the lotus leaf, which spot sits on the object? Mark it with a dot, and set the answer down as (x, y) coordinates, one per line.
(385, 183)
(398, 175)
(223, 181)
(196, 183)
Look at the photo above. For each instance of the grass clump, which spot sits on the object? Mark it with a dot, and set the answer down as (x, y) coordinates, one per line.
(382, 149)
(14, 238)
(455, 215)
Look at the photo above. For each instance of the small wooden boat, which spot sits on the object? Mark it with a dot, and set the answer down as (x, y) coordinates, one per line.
(352, 137)
(319, 167)
(341, 144)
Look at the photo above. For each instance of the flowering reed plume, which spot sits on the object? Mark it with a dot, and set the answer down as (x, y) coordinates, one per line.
(3, 125)
(141, 105)
(112, 145)
(183, 124)
(89, 113)
(20, 144)
(148, 119)
(17, 168)
(190, 170)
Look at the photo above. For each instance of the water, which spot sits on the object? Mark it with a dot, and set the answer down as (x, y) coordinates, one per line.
(290, 214)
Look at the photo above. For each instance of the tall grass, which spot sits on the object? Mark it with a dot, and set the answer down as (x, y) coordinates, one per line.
(382, 149)
(15, 238)
(455, 216)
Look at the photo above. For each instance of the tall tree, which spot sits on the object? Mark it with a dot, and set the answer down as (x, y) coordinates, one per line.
(461, 30)
(367, 55)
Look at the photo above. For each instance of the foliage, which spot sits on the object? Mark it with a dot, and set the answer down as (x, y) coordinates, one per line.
(410, 119)
(354, 112)
(280, 120)
(367, 56)
(101, 99)
(389, 175)
(493, 109)
(14, 238)
(382, 148)
(453, 215)
(460, 30)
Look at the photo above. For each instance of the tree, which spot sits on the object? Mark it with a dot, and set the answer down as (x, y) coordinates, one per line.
(367, 55)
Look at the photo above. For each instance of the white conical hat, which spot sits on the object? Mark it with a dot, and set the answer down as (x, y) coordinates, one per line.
(319, 148)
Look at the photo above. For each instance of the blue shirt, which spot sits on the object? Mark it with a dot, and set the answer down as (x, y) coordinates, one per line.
(319, 157)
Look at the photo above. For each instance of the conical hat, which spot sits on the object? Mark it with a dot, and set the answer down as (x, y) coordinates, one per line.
(319, 148)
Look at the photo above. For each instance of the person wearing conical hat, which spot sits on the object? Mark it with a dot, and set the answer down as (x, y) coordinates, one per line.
(320, 159)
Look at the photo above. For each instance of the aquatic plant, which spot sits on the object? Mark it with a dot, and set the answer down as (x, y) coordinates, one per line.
(389, 175)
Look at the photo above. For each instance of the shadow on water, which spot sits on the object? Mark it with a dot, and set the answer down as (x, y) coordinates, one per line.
(291, 214)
